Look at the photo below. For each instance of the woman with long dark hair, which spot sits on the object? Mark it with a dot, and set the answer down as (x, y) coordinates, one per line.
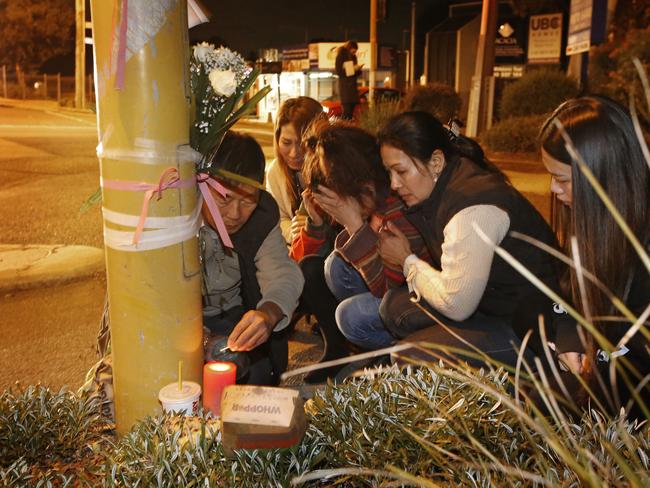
(283, 180)
(602, 133)
(457, 200)
(348, 185)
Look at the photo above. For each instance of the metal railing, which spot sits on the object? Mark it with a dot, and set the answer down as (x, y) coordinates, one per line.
(15, 83)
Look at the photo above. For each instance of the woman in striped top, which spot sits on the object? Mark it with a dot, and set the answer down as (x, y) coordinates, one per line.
(348, 184)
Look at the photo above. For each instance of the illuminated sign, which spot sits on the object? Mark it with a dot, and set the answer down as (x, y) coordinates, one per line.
(545, 38)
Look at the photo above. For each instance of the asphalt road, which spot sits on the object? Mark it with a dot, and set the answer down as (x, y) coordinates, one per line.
(48, 168)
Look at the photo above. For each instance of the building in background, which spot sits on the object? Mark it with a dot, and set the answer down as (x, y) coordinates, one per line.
(308, 70)
(521, 43)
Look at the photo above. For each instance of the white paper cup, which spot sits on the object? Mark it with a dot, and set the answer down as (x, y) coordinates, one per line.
(185, 400)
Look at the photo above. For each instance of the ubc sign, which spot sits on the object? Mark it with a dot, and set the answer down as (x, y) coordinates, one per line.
(545, 38)
(545, 22)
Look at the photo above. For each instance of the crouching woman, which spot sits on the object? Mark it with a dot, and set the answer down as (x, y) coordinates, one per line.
(251, 291)
(453, 195)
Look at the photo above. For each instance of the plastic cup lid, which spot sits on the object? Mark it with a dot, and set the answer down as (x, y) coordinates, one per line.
(171, 393)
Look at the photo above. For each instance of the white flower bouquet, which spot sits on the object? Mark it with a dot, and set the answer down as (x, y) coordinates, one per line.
(220, 79)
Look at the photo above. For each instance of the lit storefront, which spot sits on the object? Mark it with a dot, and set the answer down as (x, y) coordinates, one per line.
(308, 70)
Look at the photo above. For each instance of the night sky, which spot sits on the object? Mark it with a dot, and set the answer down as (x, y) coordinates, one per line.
(248, 25)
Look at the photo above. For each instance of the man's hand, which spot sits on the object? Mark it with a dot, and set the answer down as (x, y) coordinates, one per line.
(394, 247)
(255, 327)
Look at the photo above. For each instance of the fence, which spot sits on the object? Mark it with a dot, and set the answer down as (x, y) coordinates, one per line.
(15, 83)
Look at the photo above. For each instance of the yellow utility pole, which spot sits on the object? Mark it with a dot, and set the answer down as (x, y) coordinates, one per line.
(141, 57)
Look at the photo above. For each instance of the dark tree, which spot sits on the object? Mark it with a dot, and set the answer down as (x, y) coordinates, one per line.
(33, 31)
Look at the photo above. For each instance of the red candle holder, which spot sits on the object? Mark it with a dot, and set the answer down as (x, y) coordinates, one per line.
(216, 376)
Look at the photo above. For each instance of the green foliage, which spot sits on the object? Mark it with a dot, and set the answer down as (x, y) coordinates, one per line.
(37, 424)
(44, 434)
(372, 119)
(187, 454)
(515, 134)
(33, 31)
(612, 72)
(425, 427)
(537, 92)
(154, 454)
(436, 98)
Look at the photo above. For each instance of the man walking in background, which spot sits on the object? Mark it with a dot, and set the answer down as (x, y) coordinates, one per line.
(348, 70)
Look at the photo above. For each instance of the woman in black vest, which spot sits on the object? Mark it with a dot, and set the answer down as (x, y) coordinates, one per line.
(462, 206)
(618, 362)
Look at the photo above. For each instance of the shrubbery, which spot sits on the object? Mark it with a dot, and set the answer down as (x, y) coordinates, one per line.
(515, 134)
(525, 104)
(436, 98)
(537, 92)
(612, 71)
(372, 118)
(424, 427)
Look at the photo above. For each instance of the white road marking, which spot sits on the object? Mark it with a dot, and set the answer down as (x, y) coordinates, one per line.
(70, 117)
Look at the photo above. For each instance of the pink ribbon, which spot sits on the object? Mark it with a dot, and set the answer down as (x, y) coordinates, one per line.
(121, 48)
(204, 180)
(170, 178)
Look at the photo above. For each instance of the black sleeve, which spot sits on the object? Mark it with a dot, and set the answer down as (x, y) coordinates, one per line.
(338, 64)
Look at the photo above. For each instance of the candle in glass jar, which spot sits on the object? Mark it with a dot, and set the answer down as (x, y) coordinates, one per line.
(216, 376)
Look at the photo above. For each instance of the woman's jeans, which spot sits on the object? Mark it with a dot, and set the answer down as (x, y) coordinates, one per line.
(357, 314)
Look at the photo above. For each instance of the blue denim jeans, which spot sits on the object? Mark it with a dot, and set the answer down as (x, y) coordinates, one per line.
(357, 314)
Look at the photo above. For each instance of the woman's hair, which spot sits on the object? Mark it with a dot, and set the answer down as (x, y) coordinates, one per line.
(241, 154)
(419, 134)
(603, 134)
(351, 45)
(299, 112)
(345, 159)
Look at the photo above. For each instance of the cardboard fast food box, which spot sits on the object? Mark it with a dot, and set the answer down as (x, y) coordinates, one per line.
(261, 417)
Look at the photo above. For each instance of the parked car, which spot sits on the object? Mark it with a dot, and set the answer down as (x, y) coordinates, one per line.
(333, 108)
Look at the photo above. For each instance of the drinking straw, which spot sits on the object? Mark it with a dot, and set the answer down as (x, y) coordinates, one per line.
(180, 376)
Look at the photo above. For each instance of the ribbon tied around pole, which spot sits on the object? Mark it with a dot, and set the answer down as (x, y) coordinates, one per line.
(204, 180)
(170, 178)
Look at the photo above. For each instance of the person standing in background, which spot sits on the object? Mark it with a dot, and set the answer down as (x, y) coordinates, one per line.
(348, 71)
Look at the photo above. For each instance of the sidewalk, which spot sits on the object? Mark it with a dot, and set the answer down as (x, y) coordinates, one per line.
(30, 266)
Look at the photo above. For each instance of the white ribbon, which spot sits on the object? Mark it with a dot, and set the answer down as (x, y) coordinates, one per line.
(169, 230)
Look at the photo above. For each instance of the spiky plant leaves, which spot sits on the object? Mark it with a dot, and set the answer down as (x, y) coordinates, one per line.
(39, 425)
(430, 426)
(49, 437)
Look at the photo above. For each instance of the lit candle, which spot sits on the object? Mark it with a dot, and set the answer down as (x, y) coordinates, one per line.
(216, 376)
